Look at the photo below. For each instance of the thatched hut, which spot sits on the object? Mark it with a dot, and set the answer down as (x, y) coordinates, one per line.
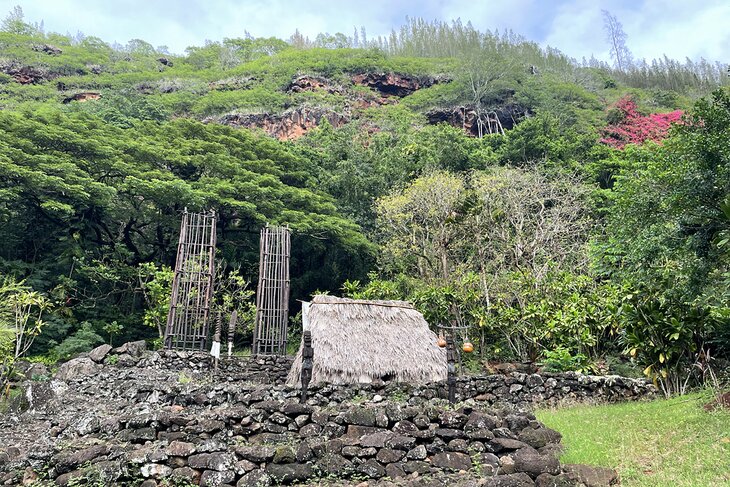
(357, 341)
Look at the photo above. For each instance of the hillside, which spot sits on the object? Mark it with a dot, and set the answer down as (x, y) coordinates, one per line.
(535, 199)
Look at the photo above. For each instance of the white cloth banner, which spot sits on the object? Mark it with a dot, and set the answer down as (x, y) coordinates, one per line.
(215, 350)
(305, 316)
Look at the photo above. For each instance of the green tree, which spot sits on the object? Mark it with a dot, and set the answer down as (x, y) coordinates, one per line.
(665, 237)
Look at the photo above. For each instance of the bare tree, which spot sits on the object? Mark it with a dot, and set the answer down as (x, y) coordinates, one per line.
(616, 38)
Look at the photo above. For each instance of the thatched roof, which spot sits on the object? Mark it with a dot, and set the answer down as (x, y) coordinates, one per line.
(357, 341)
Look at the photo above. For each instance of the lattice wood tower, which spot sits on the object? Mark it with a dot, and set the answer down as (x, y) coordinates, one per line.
(272, 297)
(192, 287)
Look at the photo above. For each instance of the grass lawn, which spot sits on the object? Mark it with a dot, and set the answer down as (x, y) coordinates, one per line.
(667, 442)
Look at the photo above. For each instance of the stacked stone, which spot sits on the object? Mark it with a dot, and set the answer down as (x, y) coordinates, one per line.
(272, 442)
(259, 369)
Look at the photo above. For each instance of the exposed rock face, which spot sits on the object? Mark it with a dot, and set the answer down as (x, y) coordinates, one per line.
(48, 49)
(286, 126)
(476, 124)
(393, 84)
(24, 74)
(313, 83)
(81, 97)
(234, 83)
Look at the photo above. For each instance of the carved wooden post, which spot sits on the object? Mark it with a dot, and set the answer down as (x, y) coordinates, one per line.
(231, 332)
(307, 363)
(216, 352)
(451, 358)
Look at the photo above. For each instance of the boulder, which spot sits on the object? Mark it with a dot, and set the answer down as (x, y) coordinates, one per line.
(289, 473)
(180, 449)
(451, 461)
(335, 465)
(77, 367)
(371, 468)
(65, 462)
(539, 437)
(155, 471)
(256, 478)
(99, 353)
(386, 455)
(560, 480)
(134, 349)
(214, 478)
(592, 476)
(534, 464)
(511, 480)
(284, 454)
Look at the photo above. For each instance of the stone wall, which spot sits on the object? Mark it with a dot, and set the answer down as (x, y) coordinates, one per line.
(269, 442)
(127, 415)
(259, 369)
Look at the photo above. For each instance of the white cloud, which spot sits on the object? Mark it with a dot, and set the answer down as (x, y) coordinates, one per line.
(678, 28)
(654, 28)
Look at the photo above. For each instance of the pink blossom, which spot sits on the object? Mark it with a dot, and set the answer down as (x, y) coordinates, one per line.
(635, 128)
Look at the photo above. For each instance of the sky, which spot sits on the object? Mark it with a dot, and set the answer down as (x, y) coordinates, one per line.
(676, 28)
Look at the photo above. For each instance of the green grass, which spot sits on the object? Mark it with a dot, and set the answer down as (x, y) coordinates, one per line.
(670, 442)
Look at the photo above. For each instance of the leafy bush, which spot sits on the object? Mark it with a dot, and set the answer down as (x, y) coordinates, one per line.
(83, 340)
(561, 360)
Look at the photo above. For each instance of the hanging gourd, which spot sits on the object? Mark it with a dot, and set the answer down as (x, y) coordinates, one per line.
(441, 342)
(467, 347)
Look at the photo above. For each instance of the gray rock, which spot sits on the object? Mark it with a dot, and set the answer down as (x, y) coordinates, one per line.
(180, 449)
(376, 440)
(395, 470)
(387, 455)
(289, 473)
(511, 480)
(417, 453)
(400, 442)
(134, 349)
(416, 466)
(256, 454)
(539, 437)
(360, 416)
(501, 444)
(592, 476)
(213, 478)
(212, 461)
(404, 427)
(65, 462)
(459, 445)
(335, 465)
(371, 468)
(244, 466)
(77, 367)
(155, 471)
(256, 478)
(98, 354)
(186, 473)
(310, 430)
(451, 461)
(284, 454)
(452, 419)
(304, 452)
(560, 480)
(533, 464)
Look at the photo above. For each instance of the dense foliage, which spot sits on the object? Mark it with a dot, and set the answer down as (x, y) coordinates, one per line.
(596, 225)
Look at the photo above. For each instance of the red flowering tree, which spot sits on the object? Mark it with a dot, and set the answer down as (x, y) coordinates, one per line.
(628, 126)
